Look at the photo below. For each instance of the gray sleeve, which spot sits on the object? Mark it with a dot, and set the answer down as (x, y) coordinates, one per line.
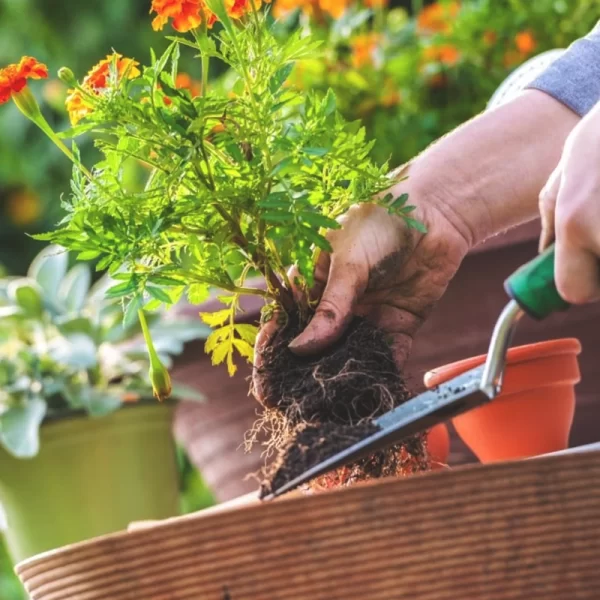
(574, 78)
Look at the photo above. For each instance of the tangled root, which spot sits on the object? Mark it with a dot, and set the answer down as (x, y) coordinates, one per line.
(316, 406)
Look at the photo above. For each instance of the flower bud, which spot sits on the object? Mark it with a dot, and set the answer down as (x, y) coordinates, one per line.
(66, 76)
(161, 380)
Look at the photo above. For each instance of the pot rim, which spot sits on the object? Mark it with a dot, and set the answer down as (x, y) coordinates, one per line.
(516, 355)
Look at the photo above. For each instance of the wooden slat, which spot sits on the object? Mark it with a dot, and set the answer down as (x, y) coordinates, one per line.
(523, 530)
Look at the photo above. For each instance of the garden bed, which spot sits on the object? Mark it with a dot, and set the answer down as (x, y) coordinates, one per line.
(477, 532)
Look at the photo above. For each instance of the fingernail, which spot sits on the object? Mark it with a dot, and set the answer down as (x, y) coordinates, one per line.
(295, 343)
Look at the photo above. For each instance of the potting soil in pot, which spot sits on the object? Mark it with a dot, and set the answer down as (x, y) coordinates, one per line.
(316, 406)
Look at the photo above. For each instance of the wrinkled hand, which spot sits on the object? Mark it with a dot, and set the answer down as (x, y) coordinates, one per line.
(379, 269)
(570, 210)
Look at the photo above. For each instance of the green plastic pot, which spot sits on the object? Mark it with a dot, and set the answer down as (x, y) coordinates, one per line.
(91, 477)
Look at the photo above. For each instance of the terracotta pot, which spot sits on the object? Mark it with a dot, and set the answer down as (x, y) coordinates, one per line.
(438, 443)
(533, 413)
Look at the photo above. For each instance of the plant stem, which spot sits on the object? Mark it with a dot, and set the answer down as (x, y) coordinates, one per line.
(147, 336)
(45, 127)
(205, 59)
(256, 22)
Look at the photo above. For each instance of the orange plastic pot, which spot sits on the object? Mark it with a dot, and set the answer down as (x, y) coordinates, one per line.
(533, 413)
(438, 444)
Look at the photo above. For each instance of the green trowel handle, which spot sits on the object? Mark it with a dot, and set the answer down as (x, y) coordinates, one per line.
(532, 286)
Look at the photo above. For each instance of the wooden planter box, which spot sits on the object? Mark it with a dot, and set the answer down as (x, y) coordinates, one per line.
(521, 530)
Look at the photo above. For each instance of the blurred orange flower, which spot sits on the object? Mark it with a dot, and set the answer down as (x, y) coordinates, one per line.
(490, 37)
(376, 3)
(363, 47)
(96, 81)
(334, 8)
(186, 14)
(184, 82)
(13, 78)
(437, 17)
(438, 80)
(446, 54)
(23, 207)
(390, 96)
(525, 42)
(512, 58)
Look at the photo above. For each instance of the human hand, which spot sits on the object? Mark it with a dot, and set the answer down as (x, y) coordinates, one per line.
(479, 180)
(379, 269)
(570, 211)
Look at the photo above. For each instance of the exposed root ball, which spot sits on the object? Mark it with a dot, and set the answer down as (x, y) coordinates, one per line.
(318, 405)
(315, 443)
(356, 379)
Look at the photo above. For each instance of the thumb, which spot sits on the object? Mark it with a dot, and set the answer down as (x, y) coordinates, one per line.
(334, 311)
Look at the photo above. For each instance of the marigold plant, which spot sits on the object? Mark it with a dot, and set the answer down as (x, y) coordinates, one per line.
(240, 183)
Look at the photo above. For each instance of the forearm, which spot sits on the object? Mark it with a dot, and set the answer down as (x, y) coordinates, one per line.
(487, 174)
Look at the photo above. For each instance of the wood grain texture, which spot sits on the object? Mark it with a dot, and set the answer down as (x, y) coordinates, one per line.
(522, 530)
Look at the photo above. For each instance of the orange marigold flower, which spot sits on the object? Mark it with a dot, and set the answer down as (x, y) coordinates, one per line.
(437, 17)
(363, 47)
(96, 82)
(13, 78)
(445, 54)
(376, 3)
(186, 14)
(525, 42)
(236, 9)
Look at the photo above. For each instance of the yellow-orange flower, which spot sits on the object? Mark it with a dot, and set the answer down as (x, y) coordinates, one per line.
(437, 17)
(78, 106)
(525, 42)
(97, 81)
(445, 54)
(13, 78)
(363, 47)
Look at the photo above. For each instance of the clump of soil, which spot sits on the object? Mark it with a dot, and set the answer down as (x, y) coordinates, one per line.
(316, 406)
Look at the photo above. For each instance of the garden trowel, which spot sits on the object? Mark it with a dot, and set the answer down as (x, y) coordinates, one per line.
(532, 290)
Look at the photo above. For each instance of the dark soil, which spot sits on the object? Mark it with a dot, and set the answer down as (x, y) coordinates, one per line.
(316, 406)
